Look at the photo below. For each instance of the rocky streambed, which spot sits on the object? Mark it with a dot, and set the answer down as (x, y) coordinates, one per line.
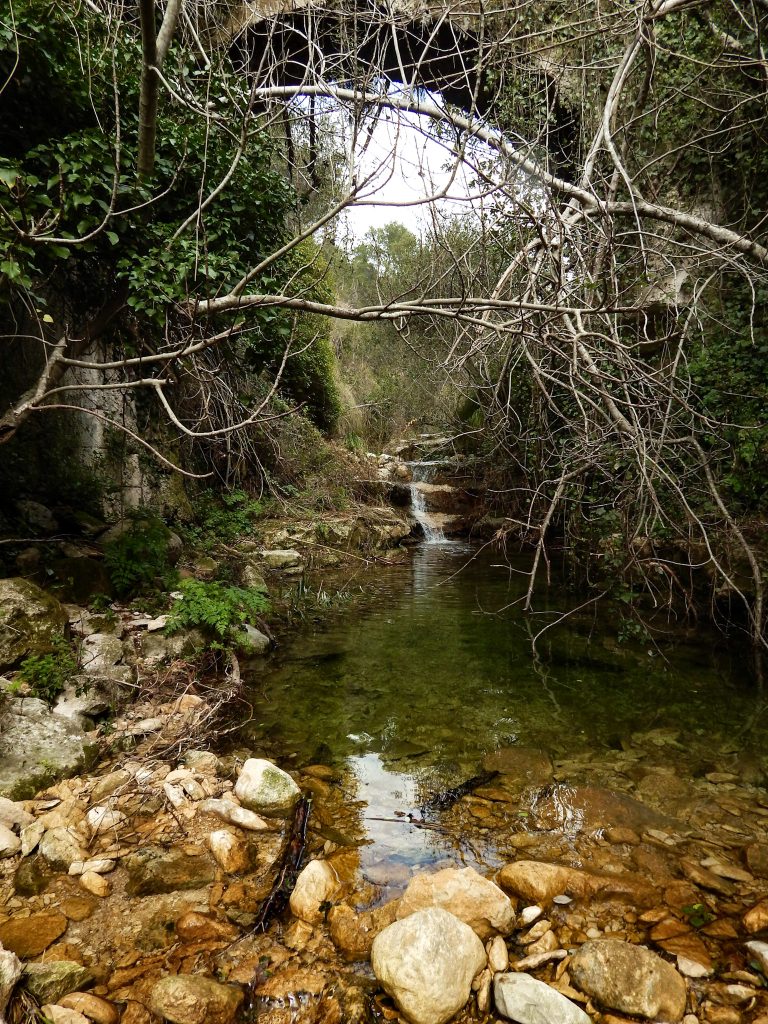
(604, 888)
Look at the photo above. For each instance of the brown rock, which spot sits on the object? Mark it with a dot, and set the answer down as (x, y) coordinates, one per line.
(77, 908)
(720, 929)
(156, 870)
(55, 1014)
(757, 859)
(755, 920)
(705, 878)
(98, 885)
(465, 894)
(527, 765)
(538, 882)
(353, 934)
(135, 1013)
(92, 1007)
(29, 936)
(690, 947)
(628, 978)
(192, 999)
(194, 927)
(594, 807)
(681, 894)
(669, 929)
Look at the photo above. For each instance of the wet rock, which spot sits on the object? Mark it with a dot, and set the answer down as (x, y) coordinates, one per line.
(191, 999)
(757, 859)
(229, 851)
(756, 919)
(95, 1009)
(10, 844)
(37, 747)
(233, 814)
(528, 1001)
(541, 882)
(353, 933)
(48, 982)
(29, 620)
(705, 878)
(156, 870)
(588, 808)
(498, 955)
(317, 884)
(62, 1015)
(196, 927)
(10, 972)
(59, 847)
(629, 978)
(29, 936)
(426, 963)
(537, 881)
(465, 894)
(528, 766)
(758, 951)
(265, 788)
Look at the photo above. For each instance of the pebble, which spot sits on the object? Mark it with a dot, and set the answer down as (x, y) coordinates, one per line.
(99, 865)
(530, 914)
(233, 814)
(98, 1010)
(498, 954)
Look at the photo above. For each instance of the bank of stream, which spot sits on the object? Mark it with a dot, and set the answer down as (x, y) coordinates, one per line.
(605, 792)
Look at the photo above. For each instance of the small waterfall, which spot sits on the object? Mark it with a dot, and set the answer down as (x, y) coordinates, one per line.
(431, 523)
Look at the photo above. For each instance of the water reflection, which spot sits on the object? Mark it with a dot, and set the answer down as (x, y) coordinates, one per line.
(411, 692)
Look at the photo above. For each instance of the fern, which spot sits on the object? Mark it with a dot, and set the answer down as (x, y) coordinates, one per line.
(217, 609)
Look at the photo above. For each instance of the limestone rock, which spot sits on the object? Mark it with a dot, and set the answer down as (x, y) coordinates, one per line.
(37, 747)
(498, 955)
(157, 648)
(29, 619)
(48, 982)
(29, 936)
(757, 859)
(265, 788)
(233, 814)
(10, 843)
(95, 1009)
(317, 884)
(60, 847)
(629, 978)
(426, 963)
(156, 870)
(282, 559)
(103, 819)
(758, 951)
(229, 851)
(465, 894)
(528, 1001)
(13, 815)
(96, 884)
(252, 641)
(10, 972)
(191, 999)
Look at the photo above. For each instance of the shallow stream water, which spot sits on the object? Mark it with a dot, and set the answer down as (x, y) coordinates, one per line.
(405, 695)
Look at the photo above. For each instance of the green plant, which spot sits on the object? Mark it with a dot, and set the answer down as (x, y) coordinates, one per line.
(138, 558)
(47, 673)
(697, 915)
(215, 608)
(222, 518)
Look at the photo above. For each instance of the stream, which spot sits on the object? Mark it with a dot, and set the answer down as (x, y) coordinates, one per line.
(407, 695)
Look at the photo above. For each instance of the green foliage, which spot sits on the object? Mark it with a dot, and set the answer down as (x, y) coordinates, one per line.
(216, 608)
(137, 560)
(47, 673)
(698, 914)
(222, 517)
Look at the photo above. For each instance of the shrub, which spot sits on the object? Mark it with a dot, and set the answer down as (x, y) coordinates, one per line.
(47, 673)
(217, 609)
(138, 558)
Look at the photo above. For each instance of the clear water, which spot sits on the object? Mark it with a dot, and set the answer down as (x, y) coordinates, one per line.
(407, 693)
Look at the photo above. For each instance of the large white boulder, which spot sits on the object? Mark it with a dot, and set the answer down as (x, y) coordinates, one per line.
(265, 788)
(426, 963)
